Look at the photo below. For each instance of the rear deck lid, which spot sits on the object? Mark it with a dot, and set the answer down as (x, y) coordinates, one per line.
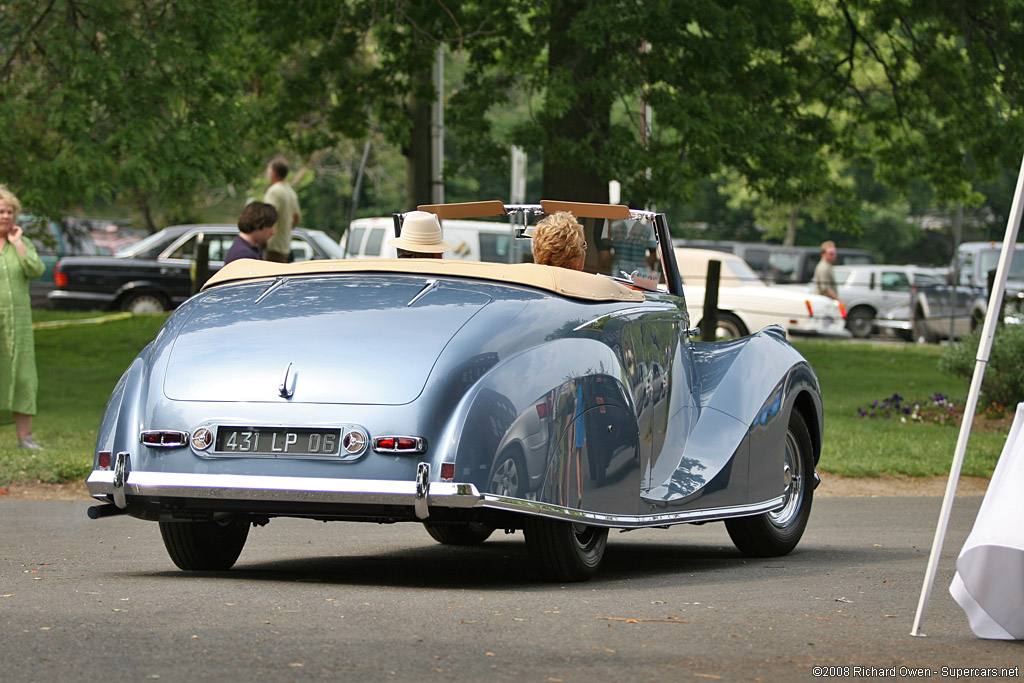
(352, 340)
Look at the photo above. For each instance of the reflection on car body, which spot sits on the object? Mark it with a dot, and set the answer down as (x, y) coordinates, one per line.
(530, 397)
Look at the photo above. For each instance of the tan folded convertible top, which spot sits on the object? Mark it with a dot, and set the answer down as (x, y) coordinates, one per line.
(562, 281)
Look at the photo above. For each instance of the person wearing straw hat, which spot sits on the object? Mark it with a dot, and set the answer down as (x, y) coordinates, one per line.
(421, 237)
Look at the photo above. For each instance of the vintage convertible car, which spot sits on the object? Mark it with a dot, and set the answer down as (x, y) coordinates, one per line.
(465, 396)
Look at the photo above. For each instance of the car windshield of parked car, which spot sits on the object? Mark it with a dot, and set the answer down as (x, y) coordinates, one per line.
(739, 274)
(990, 260)
(325, 244)
(147, 247)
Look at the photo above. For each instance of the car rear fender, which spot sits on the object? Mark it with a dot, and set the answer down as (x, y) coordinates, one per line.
(119, 427)
(557, 378)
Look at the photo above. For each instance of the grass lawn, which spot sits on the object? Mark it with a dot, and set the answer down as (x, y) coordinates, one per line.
(856, 375)
(80, 362)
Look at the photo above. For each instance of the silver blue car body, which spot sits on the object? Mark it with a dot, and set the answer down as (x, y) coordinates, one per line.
(466, 396)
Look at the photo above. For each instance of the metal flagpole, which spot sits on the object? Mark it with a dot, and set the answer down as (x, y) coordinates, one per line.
(984, 349)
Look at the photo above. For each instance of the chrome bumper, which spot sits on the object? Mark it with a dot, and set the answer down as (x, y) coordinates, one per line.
(120, 482)
(421, 494)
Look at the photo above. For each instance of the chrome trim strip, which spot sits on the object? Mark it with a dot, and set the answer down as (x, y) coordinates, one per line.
(279, 281)
(101, 484)
(427, 287)
(629, 521)
(624, 312)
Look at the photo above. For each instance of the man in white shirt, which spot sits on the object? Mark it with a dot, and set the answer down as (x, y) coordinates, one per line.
(282, 197)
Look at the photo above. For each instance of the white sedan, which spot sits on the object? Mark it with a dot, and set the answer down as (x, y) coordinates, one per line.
(746, 304)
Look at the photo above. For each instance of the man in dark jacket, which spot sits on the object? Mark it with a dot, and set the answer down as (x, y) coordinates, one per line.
(255, 226)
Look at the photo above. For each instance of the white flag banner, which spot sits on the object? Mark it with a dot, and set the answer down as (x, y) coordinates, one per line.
(989, 581)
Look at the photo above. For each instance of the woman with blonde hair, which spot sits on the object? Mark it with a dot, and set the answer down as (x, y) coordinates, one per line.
(558, 241)
(19, 263)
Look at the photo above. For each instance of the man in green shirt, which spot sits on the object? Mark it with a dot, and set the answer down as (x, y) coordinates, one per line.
(282, 197)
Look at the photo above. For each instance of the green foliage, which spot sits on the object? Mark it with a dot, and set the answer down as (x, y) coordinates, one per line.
(1003, 383)
(144, 100)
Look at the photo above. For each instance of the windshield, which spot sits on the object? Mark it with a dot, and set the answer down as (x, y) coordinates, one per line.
(145, 245)
(738, 273)
(990, 260)
(329, 247)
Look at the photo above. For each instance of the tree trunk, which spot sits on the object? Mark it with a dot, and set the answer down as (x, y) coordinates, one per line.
(791, 225)
(575, 138)
(417, 152)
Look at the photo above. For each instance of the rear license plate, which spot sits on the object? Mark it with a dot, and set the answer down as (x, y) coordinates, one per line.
(276, 441)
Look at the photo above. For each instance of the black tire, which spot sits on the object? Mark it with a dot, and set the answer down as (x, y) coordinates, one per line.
(565, 551)
(776, 533)
(860, 322)
(204, 546)
(143, 303)
(728, 327)
(508, 476)
(470, 533)
(922, 335)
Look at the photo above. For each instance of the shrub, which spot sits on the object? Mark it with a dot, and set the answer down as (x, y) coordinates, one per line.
(1004, 377)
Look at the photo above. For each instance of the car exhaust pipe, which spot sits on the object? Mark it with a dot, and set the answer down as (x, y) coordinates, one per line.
(105, 510)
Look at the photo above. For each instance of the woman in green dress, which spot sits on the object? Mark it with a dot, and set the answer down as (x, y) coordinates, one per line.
(19, 263)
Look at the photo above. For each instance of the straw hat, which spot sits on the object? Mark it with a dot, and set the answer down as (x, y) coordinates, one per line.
(421, 232)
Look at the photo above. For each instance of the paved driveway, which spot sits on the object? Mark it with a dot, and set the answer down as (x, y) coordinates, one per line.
(100, 600)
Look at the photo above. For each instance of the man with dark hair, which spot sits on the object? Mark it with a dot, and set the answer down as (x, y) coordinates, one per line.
(282, 197)
(255, 228)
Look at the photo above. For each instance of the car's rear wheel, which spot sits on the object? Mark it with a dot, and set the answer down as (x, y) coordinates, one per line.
(777, 532)
(565, 551)
(204, 546)
(143, 303)
(860, 322)
(728, 327)
(470, 533)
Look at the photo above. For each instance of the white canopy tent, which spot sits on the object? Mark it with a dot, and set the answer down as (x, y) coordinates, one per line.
(984, 349)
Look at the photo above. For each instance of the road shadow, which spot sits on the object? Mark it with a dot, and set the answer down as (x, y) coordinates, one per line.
(503, 563)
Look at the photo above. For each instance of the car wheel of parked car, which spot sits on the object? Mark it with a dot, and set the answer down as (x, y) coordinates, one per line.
(922, 335)
(470, 533)
(777, 532)
(204, 546)
(860, 321)
(565, 551)
(143, 303)
(508, 475)
(728, 327)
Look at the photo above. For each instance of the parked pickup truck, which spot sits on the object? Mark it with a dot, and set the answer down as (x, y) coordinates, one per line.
(952, 310)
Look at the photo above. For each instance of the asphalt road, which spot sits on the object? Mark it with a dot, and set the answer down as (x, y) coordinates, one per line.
(100, 600)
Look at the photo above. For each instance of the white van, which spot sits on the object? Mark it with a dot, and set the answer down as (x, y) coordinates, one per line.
(471, 240)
